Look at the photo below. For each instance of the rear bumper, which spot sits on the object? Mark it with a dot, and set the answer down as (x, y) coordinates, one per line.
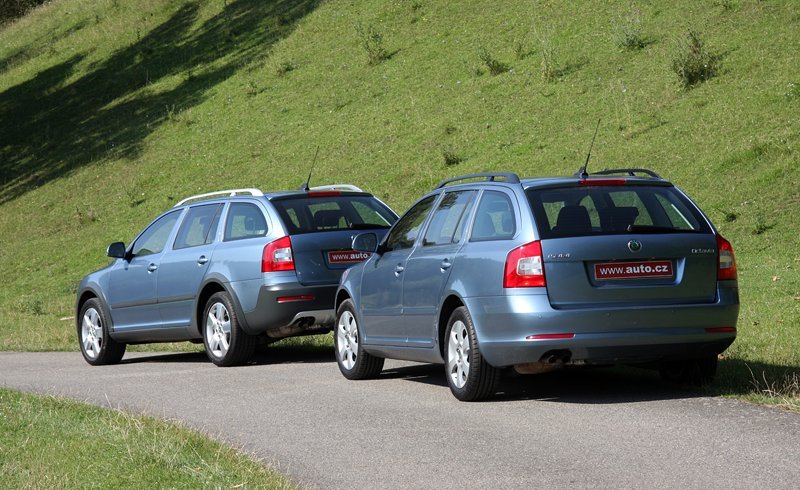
(607, 335)
(270, 308)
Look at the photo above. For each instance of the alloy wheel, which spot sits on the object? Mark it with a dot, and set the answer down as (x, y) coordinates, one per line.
(91, 333)
(458, 354)
(347, 340)
(218, 330)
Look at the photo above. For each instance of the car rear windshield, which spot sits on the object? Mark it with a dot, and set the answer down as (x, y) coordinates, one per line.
(330, 213)
(613, 209)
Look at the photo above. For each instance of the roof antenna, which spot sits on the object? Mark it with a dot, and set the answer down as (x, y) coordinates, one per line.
(304, 187)
(582, 172)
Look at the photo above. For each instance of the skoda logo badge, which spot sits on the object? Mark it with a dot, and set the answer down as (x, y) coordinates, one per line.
(634, 245)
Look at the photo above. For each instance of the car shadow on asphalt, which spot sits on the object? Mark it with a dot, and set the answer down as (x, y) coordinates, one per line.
(596, 385)
(284, 354)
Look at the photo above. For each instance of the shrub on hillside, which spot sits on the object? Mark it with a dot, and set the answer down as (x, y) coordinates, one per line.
(494, 65)
(628, 30)
(692, 62)
(372, 42)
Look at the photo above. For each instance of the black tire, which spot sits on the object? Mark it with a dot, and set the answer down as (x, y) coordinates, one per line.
(225, 347)
(353, 362)
(468, 374)
(693, 372)
(97, 346)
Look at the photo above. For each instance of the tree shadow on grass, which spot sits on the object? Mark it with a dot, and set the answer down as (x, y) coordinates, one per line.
(51, 127)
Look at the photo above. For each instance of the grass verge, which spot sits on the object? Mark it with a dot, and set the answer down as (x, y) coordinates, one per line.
(47, 442)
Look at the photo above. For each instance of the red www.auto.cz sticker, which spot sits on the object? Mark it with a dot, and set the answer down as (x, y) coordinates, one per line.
(347, 257)
(633, 270)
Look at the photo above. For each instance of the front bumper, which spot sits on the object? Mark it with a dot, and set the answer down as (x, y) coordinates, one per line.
(632, 334)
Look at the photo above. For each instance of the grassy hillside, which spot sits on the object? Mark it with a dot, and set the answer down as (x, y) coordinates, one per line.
(111, 111)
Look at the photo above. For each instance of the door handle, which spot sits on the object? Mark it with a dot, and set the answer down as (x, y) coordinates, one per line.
(398, 269)
(202, 260)
(152, 268)
(446, 264)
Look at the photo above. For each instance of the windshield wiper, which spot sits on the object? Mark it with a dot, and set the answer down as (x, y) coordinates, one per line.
(366, 226)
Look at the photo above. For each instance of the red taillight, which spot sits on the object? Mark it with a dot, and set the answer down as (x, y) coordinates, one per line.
(292, 299)
(727, 262)
(278, 256)
(324, 193)
(602, 182)
(721, 330)
(525, 267)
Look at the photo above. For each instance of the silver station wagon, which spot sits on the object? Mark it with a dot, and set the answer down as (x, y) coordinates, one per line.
(488, 271)
(230, 269)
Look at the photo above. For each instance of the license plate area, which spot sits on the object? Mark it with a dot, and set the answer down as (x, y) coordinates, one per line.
(347, 256)
(633, 270)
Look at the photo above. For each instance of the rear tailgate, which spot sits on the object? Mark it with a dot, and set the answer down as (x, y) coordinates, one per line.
(320, 258)
(666, 269)
(321, 226)
(624, 244)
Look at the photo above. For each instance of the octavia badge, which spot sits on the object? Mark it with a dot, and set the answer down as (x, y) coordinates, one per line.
(634, 245)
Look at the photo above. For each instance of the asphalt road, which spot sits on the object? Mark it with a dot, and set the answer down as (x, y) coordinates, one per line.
(294, 411)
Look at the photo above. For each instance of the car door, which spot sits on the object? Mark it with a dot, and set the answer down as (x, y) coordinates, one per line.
(429, 264)
(382, 279)
(132, 284)
(183, 267)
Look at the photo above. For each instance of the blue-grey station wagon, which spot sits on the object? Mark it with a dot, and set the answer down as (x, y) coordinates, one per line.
(229, 269)
(489, 271)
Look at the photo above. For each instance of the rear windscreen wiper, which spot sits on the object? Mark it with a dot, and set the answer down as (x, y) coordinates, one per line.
(656, 229)
(366, 226)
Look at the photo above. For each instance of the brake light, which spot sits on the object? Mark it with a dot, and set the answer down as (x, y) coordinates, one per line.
(324, 194)
(525, 267)
(727, 261)
(602, 182)
(278, 256)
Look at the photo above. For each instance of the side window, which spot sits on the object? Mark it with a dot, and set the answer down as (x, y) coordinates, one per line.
(154, 238)
(370, 214)
(405, 231)
(494, 219)
(678, 214)
(199, 226)
(244, 220)
(447, 221)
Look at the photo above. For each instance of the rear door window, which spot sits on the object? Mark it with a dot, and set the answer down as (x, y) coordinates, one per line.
(199, 227)
(334, 212)
(603, 210)
(448, 220)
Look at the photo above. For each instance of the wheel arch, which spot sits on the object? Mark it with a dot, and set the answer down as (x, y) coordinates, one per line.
(448, 307)
(341, 296)
(209, 289)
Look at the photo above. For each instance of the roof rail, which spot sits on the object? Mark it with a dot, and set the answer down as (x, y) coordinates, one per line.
(336, 187)
(509, 177)
(229, 192)
(630, 171)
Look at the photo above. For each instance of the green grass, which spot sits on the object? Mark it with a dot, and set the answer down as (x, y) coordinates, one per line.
(47, 442)
(110, 112)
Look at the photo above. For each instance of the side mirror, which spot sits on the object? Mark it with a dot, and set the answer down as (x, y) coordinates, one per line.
(116, 250)
(365, 242)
